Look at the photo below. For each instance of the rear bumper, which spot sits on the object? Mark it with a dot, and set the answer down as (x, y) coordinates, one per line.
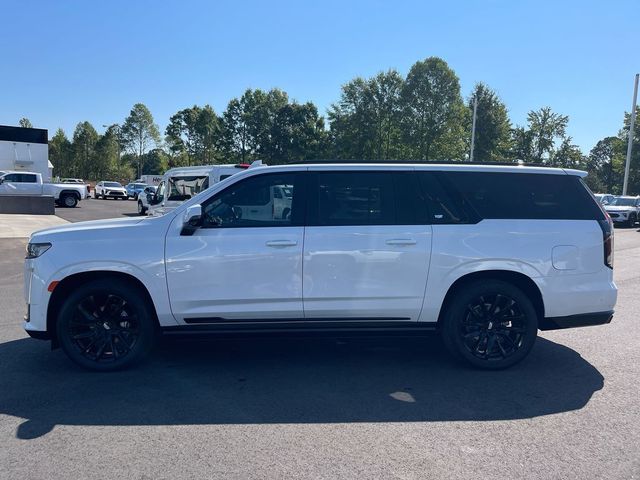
(581, 320)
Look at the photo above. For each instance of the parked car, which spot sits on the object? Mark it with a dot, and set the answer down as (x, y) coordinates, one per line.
(182, 183)
(30, 183)
(485, 255)
(134, 189)
(145, 198)
(624, 211)
(105, 190)
(604, 198)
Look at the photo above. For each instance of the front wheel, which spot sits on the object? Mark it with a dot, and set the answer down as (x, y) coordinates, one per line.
(106, 325)
(141, 209)
(490, 324)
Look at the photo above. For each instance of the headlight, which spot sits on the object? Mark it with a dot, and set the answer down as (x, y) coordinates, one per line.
(624, 214)
(34, 250)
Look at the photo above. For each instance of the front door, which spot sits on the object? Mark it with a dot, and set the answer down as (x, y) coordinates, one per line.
(240, 265)
(366, 258)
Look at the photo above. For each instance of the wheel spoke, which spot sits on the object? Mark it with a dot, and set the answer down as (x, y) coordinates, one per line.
(490, 344)
(494, 306)
(80, 336)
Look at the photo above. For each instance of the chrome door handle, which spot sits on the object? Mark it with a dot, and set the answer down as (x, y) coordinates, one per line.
(401, 241)
(281, 243)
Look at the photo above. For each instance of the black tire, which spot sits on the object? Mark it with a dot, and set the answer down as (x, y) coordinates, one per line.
(106, 325)
(69, 200)
(135, 197)
(490, 324)
(141, 209)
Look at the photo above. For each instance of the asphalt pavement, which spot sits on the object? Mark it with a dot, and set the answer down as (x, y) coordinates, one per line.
(331, 408)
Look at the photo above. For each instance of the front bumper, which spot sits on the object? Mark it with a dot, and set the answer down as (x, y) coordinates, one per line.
(580, 320)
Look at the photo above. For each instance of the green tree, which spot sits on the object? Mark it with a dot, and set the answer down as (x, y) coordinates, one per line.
(493, 128)
(85, 138)
(365, 123)
(433, 111)
(605, 164)
(61, 154)
(196, 133)
(155, 162)
(139, 132)
(567, 155)
(546, 128)
(25, 123)
(297, 134)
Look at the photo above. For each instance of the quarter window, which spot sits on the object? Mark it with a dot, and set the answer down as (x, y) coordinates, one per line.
(525, 195)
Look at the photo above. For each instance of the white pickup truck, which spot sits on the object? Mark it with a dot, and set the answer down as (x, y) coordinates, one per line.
(30, 183)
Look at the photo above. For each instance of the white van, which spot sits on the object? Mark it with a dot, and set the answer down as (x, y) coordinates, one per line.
(182, 183)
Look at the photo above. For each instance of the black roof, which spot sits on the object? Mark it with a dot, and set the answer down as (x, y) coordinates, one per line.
(24, 135)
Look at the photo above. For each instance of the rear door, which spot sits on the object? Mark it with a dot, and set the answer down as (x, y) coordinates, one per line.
(365, 256)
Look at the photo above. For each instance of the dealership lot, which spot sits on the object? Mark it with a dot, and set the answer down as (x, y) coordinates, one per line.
(322, 408)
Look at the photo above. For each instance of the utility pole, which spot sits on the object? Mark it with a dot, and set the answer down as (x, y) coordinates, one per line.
(630, 138)
(473, 127)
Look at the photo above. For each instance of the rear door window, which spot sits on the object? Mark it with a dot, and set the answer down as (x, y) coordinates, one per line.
(352, 198)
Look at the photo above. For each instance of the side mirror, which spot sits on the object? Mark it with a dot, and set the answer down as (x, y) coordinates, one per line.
(192, 220)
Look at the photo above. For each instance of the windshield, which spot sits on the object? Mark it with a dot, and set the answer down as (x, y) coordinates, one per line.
(138, 185)
(183, 188)
(112, 184)
(623, 201)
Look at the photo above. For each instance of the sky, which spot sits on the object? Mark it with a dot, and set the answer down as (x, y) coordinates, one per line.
(68, 61)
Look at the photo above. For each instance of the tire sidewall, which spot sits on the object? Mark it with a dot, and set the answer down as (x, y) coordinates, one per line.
(129, 292)
(455, 313)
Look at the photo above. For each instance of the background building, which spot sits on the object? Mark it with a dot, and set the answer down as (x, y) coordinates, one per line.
(25, 149)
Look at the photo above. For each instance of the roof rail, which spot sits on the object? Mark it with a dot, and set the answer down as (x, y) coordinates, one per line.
(514, 163)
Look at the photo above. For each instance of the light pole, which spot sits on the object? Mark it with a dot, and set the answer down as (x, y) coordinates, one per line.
(473, 127)
(630, 138)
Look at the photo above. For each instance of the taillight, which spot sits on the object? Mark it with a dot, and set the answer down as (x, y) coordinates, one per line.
(607, 239)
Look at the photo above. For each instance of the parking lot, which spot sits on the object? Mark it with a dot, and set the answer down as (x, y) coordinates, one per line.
(322, 408)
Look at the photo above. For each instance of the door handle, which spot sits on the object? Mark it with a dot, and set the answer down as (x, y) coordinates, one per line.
(281, 243)
(401, 241)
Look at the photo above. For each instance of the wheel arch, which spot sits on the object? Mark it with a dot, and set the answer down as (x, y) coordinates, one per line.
(520, 280)
(67, 284)
(75, 193)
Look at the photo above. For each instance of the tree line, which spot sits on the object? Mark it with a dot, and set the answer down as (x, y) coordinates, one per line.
(420, 116)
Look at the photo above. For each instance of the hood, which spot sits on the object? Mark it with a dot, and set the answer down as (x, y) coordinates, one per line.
(94, 226)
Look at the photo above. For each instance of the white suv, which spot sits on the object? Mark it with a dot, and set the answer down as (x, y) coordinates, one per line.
(486, 255)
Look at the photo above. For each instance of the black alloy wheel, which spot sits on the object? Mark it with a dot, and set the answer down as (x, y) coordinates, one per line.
(106, 326)
(490, 324)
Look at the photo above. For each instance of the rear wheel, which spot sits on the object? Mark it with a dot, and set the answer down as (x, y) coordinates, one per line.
(106, 325)
(69, 200)
(490, 324)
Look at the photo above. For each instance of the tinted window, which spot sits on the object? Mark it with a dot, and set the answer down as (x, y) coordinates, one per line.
(440, 205)
(21, 178)
(353, 198)
(252, 203)
(112, 184)
(525, 196)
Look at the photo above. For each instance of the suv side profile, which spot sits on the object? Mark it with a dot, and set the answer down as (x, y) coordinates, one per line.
(485, 255)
